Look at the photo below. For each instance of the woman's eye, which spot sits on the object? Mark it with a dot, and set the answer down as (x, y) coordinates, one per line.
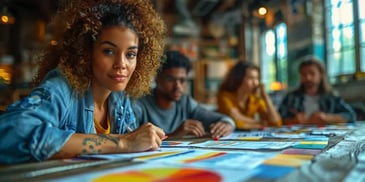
(131, 55)
(108, 51)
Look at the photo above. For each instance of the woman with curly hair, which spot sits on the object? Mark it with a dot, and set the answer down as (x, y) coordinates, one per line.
(107, 51)
(242, 96)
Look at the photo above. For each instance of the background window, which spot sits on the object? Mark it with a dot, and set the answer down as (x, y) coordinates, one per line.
(268, 58)
(361, 5)
(340, 38)
(274, 55)
(282, 54)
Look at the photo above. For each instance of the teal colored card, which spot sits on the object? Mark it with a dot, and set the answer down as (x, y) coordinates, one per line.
(272, 172)
(310, 146)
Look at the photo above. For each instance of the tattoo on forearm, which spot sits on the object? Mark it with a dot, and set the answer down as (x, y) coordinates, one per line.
(110, 138)
(92, 144)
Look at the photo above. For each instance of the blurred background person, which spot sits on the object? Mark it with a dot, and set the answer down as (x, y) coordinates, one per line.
(314, 101)
(241, 95)
(177, 113)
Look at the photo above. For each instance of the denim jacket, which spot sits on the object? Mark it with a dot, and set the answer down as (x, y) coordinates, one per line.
(327, 103)
(37, 126)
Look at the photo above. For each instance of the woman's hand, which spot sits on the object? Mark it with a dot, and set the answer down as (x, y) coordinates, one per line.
(146, 137)
(260, 91)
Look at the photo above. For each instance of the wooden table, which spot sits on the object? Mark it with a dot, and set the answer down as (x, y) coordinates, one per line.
(342, 160)
(338, 162)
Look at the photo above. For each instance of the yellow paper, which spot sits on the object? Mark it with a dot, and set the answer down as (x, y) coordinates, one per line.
(250, 138)
(297, 156)
(285, 161)
(314, 142)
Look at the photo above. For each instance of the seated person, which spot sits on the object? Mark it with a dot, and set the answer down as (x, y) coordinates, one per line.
(242, 96)
(178, 114)
(81, 103)
(314, 101)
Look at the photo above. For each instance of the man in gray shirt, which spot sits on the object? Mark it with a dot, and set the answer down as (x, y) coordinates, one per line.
(178, 114)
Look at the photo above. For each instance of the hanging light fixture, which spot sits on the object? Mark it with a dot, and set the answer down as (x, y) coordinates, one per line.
(259, 8)
(6, 17)
(261, 11)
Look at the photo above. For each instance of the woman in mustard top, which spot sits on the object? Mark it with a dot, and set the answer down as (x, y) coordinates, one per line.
(242, 96)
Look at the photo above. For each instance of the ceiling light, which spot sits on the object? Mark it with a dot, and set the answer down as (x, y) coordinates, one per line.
(262, 11)
(6, 17)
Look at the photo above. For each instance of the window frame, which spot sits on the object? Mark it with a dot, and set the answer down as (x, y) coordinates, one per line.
(357, 45)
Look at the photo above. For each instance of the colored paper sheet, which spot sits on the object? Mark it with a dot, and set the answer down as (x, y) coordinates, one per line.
(218, 159)
(243, 145)
(314, 142)
(315, 138)
(160, 155)
(301, 151)
(296, 156)
(157, 153)
(310, 146)
(160, 172)
(169, 143)
(285, 161)
(250, 138)
(329, 132)
(273, 172)
(262, 134)
(243, 134)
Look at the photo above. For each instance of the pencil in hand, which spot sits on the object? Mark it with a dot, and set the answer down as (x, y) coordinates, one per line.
(129, 129)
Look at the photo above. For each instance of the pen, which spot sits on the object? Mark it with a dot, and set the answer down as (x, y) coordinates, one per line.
(129, 129)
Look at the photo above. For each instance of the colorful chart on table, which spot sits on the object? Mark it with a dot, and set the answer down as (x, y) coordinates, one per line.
(243, 145)
(211, 159)
(162, 174)
(139, 155)
(174, 144)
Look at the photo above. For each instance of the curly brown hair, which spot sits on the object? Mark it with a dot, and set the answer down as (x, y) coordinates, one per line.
(80, 24)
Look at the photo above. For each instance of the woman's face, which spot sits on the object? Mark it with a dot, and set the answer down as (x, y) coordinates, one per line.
(114, 58)
(251, 80)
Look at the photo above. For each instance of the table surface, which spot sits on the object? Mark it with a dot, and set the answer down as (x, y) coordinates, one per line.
(343, 159)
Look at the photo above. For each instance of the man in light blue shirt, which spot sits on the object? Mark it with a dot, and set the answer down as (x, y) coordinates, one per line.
(178, 114)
